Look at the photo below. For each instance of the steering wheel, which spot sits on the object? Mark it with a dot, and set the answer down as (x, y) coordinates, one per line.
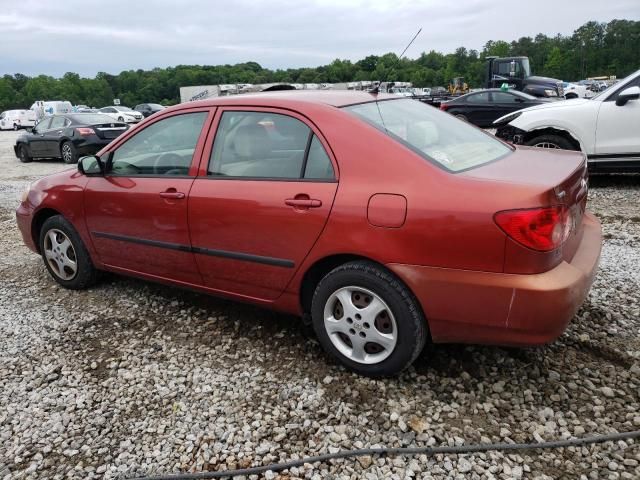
(168, 163)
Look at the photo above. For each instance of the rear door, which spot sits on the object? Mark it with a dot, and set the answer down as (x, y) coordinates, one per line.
(52, 136)
(137, 212)
(479, 108)
(261, 202)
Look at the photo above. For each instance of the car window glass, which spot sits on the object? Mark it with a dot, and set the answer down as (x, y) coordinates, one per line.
(482, 97)
(163, 148)
(318, 162)
(57, 122)
(43, 124)
(633, 83)
(259, 145)
(502, 97)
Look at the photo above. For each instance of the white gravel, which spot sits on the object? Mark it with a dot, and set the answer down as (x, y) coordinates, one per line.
(131, 378)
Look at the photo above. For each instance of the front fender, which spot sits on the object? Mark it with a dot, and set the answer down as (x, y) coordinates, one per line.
(583, 131)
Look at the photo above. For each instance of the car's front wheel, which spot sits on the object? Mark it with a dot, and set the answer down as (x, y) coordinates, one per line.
(550, 141)
(366, 318)
(65, 255)
(16, 127)
(120, 119)
(68, 153)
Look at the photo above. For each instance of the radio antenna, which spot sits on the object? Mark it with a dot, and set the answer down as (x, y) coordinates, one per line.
(407, 47)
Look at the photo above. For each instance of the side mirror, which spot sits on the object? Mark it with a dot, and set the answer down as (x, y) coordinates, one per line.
(631, 93)
(91, 165)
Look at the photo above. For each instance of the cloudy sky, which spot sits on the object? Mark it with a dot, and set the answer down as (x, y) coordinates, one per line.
(87, 36)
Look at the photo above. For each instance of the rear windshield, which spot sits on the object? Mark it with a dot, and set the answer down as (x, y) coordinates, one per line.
(435, 135)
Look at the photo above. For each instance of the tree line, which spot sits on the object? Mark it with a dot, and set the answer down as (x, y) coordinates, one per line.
(594, 49)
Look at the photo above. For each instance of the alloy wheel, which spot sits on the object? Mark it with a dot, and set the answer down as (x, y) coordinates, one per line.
(360, 325)
(60, 254)
(546, 145)
(67, 153)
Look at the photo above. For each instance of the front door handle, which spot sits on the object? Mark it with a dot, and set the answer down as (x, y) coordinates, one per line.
(303, 202)
(172, 193)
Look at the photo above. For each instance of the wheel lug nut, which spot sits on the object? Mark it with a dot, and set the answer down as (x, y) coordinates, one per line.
(352, 331)
(362, 334)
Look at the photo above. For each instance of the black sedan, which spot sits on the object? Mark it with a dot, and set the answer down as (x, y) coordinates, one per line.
(483, 107)
(147, 109)
(68, 136)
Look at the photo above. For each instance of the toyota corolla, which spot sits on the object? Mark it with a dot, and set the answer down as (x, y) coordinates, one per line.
(386, 222)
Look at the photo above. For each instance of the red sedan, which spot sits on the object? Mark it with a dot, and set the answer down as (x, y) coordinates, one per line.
(384, 220)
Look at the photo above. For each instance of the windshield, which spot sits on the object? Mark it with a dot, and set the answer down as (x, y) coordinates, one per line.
(525, 67)
(524, 95)
(156, 106)
(124, 109)
(437, 136)
(92, 119)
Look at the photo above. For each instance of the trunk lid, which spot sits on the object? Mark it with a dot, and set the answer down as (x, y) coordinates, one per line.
(110, 130)
(535, 177)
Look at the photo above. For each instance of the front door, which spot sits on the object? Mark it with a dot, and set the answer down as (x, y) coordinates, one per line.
(137, 212)
(37, 140)
(262, 203)
(617, 129)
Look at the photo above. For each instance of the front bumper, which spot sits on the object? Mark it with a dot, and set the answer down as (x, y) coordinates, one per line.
(24, 219)
(505, 309)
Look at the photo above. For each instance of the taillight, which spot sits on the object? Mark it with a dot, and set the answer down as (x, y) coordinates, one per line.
(543, 229)
(84, 131)
(444, 106)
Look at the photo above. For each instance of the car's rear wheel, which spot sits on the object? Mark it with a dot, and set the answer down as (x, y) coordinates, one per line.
(462, 117)
(65, 255)
(366, 318)
(68, 152)
(550, 141)
(23, 154)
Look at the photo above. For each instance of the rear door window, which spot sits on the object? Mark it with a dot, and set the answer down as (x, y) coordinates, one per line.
(259, 145)
(482, 97)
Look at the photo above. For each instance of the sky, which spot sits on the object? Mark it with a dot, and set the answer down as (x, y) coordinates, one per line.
(87, 36)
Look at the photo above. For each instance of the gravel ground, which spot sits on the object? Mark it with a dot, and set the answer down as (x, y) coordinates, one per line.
(131, 378)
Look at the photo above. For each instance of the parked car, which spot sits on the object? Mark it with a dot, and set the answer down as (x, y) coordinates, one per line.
(17, 119)
(122, 114)
(574, 90)
(437, 231)
(604, 128)
(482, 108)
(147, 109)
(68, 137)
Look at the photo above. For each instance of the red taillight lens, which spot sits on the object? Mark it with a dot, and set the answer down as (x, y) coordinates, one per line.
(444, 106)
(84, 131)
(543, 229)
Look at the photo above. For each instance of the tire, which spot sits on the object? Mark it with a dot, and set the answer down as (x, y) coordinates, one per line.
(68, 152)
(462, 117)
(24, 154)
(16, 127)
(120, 119)
(551, 141)
(570, 96)
(65, 255)
(399, 322)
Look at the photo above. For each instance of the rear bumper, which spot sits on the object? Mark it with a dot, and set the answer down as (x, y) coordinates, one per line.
(505, 309)
(90, 145)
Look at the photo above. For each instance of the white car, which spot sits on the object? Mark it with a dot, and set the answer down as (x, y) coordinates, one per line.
(574, 90)
(17, 119)
(122, 114)
(604, 128)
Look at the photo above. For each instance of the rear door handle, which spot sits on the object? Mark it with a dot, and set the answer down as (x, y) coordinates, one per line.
(173, 194)
(303, 202)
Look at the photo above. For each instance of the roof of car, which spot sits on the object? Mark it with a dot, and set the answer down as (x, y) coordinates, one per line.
(336, 98)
